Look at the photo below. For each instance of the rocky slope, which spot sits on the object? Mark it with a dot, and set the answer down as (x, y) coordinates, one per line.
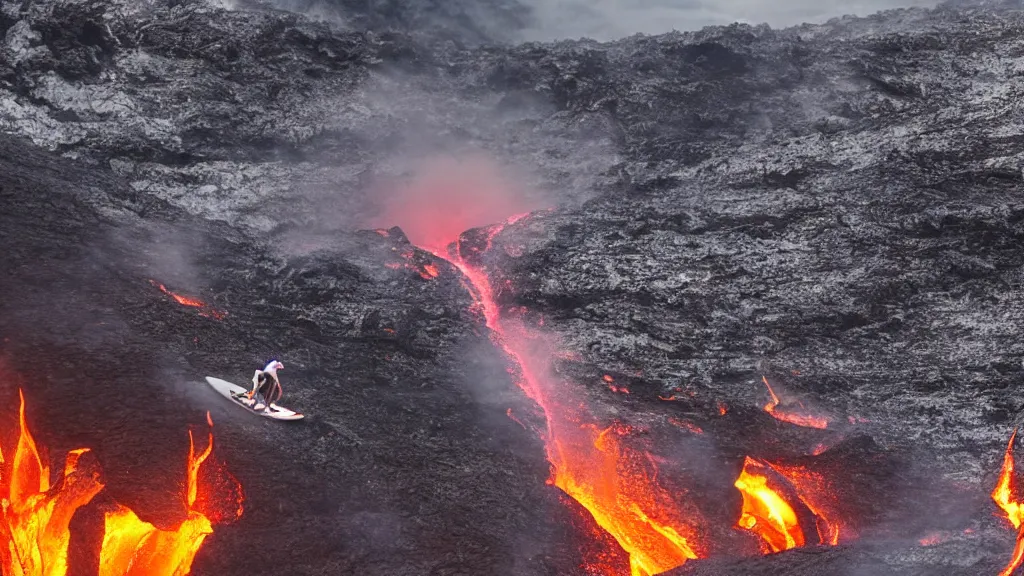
(836, 207)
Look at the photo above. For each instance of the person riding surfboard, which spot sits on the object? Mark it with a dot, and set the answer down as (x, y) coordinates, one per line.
(266, 386)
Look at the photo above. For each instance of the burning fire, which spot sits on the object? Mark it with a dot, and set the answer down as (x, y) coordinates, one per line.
(204, 310)
(791, 417)
(1006, 496)
(35, 534)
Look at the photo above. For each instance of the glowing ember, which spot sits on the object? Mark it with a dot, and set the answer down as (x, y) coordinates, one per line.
(513, 418)
(427, 271)
(765, 512)
(205, 311)
(936, 538)
(35, 534)
(722, 408)
(685, 425)
(1006, 496)
(819, 448)
(786, 416)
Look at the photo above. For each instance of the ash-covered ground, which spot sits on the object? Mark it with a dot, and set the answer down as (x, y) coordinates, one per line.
(835, 207)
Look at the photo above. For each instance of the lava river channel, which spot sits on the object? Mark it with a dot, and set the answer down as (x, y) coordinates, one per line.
(589, 462)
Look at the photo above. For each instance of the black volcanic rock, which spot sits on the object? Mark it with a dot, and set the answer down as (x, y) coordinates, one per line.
(835, 207)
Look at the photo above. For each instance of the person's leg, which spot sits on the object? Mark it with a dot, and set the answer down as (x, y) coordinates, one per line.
(264, 393)
(276, 393)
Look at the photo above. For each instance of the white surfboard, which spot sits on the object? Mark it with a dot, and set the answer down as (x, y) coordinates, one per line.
(236, 394)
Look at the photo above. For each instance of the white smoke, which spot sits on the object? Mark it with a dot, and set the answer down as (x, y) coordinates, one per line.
(605, 20)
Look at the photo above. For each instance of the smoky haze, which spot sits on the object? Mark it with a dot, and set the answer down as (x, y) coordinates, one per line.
(603, 20)
(610, 19)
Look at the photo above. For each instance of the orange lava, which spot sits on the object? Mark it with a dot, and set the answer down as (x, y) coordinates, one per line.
(1006, 495)
(765, 512)
(430, 271)
(34, 534)
(591, 463)
(427, 271)
(815, 492)
(805, 420)
(183, 300)
(206, 311)
(685, 425)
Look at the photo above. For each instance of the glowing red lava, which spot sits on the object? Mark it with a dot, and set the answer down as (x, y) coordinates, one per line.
(589, 462)
(805, 420)
(817, 494)
(204, 309)
(600, 465)
(765, 512)
(1006, 495)
(35, 533)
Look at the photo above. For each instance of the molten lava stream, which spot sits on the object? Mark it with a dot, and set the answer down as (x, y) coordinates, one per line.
(805, 420)
(34, 534)
(814, 491)
(765, 512)
(1007, 496)
(590, 463)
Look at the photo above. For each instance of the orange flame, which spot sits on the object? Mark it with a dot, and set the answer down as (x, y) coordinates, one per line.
(1006, 496)
(804, 420)
(765, 512)
(35, 534)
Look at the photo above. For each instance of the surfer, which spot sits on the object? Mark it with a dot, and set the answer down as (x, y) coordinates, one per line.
(266, 387)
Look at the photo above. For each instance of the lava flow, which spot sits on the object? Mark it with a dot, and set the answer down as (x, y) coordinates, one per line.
(815, 492)
(1007, 496)
(35, 534)
(805, 420)
(589, 462)
(765, 512)
(204, 309)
